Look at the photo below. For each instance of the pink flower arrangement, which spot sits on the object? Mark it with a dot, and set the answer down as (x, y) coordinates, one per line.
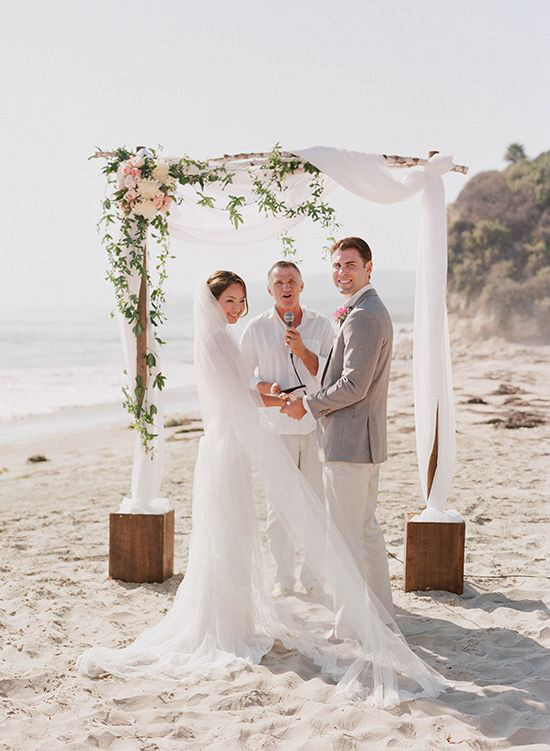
(138, 161)
(129, 169)
(162, 201)
(129, 174)
(341, 314)
(144, 196)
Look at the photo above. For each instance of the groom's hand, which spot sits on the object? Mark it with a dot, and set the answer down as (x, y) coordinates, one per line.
(294, 408)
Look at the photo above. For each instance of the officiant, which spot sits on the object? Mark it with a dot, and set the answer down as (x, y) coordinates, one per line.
(287, 347)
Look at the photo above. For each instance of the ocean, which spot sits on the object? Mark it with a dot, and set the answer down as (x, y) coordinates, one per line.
(62, 368)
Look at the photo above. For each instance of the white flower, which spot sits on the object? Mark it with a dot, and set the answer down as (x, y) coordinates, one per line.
(145, 208)
(148, 188)
(161, 173)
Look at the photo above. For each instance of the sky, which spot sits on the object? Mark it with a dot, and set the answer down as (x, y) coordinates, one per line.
(210, 77)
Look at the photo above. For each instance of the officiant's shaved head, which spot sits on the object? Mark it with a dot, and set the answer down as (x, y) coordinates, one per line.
(284, 284)
(283, 265)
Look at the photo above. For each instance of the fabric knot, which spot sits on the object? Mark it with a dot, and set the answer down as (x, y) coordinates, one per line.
(438, 164)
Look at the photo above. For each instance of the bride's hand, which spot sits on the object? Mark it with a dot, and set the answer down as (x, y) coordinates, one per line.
(274, 400)
(284, 398)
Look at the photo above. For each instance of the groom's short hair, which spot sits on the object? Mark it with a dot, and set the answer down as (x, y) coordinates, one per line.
(353, 242)
(283, 265)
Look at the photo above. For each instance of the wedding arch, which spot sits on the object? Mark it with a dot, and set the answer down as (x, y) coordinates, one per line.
(246, 198)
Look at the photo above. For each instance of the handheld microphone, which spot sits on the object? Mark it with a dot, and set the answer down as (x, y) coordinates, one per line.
(288, 318)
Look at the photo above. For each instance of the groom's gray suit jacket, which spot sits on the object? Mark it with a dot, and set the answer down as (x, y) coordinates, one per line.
(351, 406)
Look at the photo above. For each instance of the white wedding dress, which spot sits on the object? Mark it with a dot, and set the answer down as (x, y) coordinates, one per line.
(223, 616)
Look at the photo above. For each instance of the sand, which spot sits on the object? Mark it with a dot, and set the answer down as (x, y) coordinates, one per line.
(493, 642)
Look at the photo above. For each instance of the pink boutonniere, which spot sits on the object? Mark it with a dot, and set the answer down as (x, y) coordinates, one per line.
(341, 314)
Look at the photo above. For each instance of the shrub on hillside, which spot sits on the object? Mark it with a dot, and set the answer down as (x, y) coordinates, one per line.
(499, 247)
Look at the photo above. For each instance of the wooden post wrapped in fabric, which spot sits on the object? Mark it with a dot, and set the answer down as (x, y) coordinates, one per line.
(141, 547)
(434, 555)
(434, 550)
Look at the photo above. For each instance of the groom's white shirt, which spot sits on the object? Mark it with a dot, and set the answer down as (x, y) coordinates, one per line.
(353, 299)
(262, 344)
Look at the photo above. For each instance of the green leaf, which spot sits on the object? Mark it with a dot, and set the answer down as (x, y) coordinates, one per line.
(159, 381)
(207, 201)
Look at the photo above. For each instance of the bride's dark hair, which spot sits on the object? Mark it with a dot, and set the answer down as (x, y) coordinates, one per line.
(219, 281)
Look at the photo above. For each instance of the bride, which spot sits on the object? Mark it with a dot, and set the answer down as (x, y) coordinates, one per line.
(223, 616)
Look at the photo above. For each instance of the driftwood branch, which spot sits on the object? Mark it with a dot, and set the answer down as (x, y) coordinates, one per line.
(257, 159)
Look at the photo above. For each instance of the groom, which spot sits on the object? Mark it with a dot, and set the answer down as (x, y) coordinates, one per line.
(350, 409)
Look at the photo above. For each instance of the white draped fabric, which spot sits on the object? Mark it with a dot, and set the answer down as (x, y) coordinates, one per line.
(368, 176)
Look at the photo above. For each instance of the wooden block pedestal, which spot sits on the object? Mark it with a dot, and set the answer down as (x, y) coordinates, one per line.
(141, 547)
(434, 555)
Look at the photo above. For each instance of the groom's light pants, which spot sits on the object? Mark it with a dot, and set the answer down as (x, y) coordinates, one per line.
(304, 453)
(351, 493)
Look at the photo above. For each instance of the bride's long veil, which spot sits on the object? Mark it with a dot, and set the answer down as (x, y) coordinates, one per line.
(223, 615)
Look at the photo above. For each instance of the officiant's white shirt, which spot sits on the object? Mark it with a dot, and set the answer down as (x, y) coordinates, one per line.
(263, 346)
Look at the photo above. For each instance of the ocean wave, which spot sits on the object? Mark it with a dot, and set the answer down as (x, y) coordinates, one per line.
(46, 390)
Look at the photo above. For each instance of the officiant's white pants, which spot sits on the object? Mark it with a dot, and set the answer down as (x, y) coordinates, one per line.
(304, 452)
(351, 493)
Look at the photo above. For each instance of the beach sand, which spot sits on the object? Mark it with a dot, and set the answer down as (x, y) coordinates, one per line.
(493, 642)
